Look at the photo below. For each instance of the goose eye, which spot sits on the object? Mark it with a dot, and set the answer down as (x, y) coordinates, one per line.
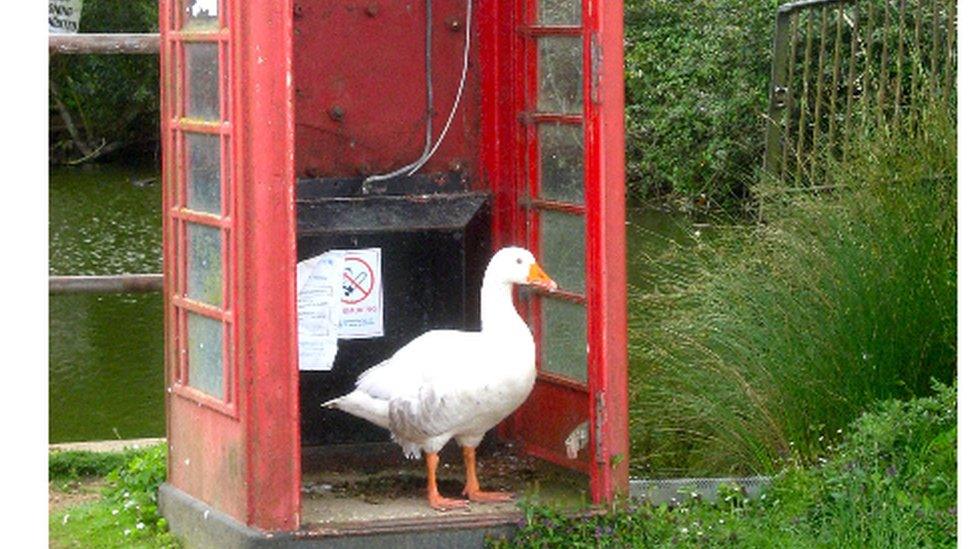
(519, 261)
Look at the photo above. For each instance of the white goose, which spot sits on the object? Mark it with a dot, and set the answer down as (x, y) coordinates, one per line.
(452, 384)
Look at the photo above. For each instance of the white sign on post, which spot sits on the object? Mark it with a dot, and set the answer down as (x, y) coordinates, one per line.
(340, 296)
(63, 16)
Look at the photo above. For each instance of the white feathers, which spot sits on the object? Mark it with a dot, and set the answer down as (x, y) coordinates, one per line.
(452, 384)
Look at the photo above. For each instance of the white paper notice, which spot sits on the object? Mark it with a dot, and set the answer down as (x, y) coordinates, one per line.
(63, 16)
(319, 281)
(362, 294)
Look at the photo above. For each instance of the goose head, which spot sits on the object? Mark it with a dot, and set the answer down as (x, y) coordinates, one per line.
(514, 265)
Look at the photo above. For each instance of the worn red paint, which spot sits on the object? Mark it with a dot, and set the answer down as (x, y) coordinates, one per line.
(241, 453)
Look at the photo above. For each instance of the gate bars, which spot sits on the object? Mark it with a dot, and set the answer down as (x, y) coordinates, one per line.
(841, 66)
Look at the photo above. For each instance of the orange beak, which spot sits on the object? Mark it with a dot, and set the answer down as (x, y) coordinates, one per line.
(538, 277)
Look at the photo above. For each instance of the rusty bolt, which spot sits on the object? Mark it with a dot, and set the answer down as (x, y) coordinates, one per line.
(454, 25)
(456, 166)
(337, 113)
(372, 10)
(297, 12)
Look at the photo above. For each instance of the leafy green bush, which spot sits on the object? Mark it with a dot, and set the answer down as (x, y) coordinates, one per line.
(891, 482)
(100, 104)
(754, 347)
(697, 75)
(134, 487)
(71, 465)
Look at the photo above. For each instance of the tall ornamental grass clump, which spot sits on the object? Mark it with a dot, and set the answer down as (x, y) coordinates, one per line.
(756, 347)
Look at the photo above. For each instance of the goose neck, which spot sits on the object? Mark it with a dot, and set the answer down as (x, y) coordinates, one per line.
(497, 310)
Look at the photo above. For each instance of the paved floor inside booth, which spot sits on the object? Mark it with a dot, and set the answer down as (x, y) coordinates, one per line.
(343, 496)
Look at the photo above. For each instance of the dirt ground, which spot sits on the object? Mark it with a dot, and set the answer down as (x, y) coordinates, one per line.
(64, 494)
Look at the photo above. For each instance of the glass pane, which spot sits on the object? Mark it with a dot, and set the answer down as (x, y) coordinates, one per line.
(559, 12)
(205, 349)
(561, 160)
(560, 74)
(564, 249)
(564, 338)
(203, 173)
(204, 268)
(200, 15)
(202, 91)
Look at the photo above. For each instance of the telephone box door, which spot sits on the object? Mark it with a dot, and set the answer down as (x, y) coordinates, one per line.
(574, 211)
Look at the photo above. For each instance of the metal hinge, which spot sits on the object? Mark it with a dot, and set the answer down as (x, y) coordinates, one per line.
(601, 406)
(596, 67)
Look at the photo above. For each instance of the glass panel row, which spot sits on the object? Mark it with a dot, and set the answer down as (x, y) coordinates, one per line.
(560, 74)
(561, 162)
(564, 346)
(202, 81)
(200, 15)
(563, 239)
(204, 268)
(203, 173)
(559, 12)
(205, 354)
(203, 250)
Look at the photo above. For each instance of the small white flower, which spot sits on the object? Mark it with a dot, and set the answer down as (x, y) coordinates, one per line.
(125, 495)
(684, 530)
(140, 526)
(821, 438)
(115, 512)
(839, 431)
(721, 521)
(127, 531)
(65, 519)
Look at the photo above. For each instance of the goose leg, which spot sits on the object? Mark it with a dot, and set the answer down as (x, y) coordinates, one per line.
(471, 487)
(433, 495)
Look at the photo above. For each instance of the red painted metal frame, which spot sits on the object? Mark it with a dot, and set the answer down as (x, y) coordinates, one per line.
(603, 401)
(607, 251)
(241, 453)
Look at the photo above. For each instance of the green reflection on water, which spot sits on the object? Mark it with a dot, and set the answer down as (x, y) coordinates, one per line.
(105, 351)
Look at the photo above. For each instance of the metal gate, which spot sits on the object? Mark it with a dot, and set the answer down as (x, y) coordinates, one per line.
(842, 66)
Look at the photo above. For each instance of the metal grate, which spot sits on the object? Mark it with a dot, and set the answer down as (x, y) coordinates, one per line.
(663, 491)
(841, 65)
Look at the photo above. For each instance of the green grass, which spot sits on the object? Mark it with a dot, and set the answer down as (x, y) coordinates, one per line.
(754, 346)
(890, 482)
(126, 515)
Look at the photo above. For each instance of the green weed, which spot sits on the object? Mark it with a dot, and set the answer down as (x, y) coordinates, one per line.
(753, 347)
(127, 514)
(890, 482)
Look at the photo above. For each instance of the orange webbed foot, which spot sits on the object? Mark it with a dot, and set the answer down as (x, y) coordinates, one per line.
(441, 503)
(489, 497)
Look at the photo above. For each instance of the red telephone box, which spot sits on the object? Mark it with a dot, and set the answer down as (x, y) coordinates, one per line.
(275, 115)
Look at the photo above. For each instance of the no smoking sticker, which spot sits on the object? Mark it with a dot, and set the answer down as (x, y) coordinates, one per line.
(362, 295)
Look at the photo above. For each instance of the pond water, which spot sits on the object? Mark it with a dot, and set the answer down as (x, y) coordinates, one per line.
(106, 350)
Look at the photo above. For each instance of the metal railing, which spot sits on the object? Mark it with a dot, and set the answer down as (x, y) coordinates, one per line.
(62, 44)
(842, 65)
